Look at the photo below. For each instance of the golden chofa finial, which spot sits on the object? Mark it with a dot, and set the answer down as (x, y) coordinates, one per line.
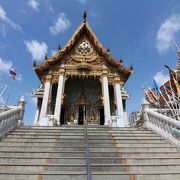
(59, 47)
(179, 53)
(34, 64)
(131, 67)
(84, 16)
(108, 49)
(46, 57)
(177, 47)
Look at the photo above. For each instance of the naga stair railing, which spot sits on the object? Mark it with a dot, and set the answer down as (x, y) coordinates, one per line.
(12, 117)
(165, 126)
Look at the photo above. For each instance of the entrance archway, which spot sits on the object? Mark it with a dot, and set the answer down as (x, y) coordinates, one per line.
(83, 101)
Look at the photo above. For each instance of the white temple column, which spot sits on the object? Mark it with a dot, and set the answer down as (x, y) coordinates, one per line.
(118, 98)
(57, 111)
(105, 91)
(126, 121)
(36, 116)
(45, 99)
(38, 109)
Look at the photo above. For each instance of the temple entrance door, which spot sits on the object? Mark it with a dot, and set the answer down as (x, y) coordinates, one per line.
(62, 117)
(82, 115)
(101, 116)
(82, 100)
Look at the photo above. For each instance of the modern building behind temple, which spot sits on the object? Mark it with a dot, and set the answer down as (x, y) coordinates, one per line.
(82, 82)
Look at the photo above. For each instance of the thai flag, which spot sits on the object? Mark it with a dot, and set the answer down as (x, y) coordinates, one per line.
(12, 73)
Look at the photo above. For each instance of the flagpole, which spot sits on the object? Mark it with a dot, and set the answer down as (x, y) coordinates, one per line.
(150, 99)
(167, 103)
(174, 97)
(10, 90)
(172, 109)
(2, 92)
(150, 89)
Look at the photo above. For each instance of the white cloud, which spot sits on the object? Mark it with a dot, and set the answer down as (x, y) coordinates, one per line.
(34, 4)
(37, 49)
(53, 52)
(60, 25)
(6, 20)
(166, 33)
(82, 1)
(161, 78)
(5, 66)
(2, 13)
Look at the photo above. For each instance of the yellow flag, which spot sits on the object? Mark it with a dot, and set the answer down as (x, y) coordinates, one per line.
(177, 86)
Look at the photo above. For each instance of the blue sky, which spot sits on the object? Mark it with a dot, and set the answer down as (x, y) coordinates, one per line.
(139, 32)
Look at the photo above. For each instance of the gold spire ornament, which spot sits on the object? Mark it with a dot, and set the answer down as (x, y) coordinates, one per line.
(85, 16)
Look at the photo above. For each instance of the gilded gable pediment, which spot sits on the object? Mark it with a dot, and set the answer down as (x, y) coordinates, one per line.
(83, 53)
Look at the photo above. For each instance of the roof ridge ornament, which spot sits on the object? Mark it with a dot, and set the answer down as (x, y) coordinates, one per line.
(131, 67)
(84, 16)
(34, 64)
(108, 49)
(59, 47)
(178, 52)
(46, 57)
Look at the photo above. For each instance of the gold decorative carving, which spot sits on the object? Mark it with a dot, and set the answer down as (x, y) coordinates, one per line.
(61, 71)
(84, 49)
(84, 52)
(48, 78)
(104, 72)
(55, 79)
(84, 65)
(117, 80)
(111, 81)
(83, 73)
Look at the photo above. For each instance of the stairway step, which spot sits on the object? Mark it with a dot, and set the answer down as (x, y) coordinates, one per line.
(81, 175)
(58, 153)
(42, 149)
(44, 137)
(119, 135)
(56, 175)
(52, 160)
(134, 149)
(70, 145)
(43, 154)
(137, 175)
(46, 133)
(136, 167)
(40, 167)
(41, 145)
(137, 154)
(134, 160)
(43, 140)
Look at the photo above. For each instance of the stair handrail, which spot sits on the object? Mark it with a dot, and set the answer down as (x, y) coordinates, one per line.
(11, 118)
(88, 160)
(163, 125)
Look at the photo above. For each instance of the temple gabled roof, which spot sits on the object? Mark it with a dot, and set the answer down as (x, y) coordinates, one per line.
(84, 28)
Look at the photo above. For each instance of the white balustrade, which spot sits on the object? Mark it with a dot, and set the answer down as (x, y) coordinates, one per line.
(11, 118)
(114, 121)
(163, 125)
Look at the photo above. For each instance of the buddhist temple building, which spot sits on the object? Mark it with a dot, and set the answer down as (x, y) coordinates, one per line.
(82, 82)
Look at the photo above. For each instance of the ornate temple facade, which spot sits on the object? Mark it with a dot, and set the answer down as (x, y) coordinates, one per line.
(82, 82)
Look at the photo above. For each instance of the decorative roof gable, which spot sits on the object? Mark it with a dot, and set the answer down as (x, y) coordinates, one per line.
(84, 50)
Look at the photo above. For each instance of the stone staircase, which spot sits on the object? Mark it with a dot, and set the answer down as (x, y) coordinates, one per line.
(59, 153)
